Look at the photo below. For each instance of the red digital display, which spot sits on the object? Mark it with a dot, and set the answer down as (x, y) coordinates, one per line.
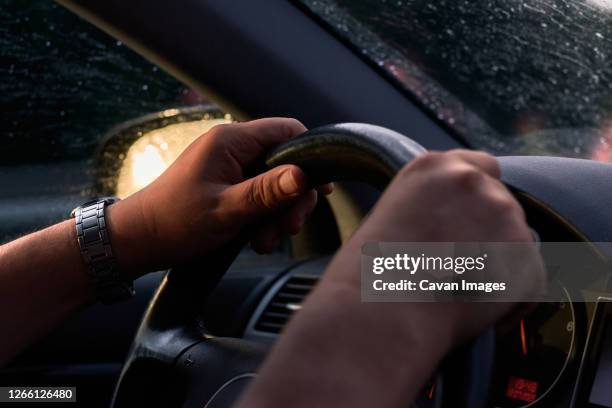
(522, 389)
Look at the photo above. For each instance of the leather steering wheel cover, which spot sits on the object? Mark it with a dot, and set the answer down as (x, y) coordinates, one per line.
(348, 151)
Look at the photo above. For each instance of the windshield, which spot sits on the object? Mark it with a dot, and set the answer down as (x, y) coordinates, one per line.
(64, 84)
(508, 76)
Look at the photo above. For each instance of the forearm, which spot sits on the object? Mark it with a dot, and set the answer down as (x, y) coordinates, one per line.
(340, 352)
(43, 278)
(42, 281)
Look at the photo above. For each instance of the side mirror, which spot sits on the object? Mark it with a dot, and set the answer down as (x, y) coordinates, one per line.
(136, 152)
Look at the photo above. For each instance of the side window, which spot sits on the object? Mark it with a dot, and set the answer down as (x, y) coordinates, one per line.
(68, 93)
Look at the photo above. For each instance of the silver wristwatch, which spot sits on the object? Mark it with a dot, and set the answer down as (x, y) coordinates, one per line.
(97, 253)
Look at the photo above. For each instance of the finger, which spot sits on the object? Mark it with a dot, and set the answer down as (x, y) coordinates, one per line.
(268, 192)
(291, 222)
(326, 189)
(293, 219)
(266, 240)
(249, 140)
(480, 160)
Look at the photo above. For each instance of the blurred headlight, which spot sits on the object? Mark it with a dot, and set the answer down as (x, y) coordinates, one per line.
(152, 153)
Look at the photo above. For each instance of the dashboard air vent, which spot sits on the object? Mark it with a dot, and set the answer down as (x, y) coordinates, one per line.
(284, 303)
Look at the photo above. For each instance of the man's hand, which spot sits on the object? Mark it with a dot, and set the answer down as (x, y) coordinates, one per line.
(380, 354)
(447, 197)
(199, 204)
(203, 200)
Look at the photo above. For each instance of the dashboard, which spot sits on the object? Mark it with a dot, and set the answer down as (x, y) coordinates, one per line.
(536, 360)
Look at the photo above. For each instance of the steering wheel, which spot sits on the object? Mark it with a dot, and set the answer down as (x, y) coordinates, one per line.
(173, 361)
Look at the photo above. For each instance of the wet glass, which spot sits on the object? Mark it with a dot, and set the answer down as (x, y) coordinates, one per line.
(64, 84)
(508, 76)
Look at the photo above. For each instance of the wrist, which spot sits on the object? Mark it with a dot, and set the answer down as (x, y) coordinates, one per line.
(386, 355)
(403, 345)
(82, 292)
(421, 325)
(135, 251)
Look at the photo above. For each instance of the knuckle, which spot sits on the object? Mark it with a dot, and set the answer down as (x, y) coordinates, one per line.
(257, 194)
(425, 162)
(479, 159)
(210, 138)
(506, 206)
(459, 152)
(488, 157)
(473, 153)
(217, 132)
(490, 162)
(466, 178)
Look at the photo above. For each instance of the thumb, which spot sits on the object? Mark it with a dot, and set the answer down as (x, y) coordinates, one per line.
(267, 192)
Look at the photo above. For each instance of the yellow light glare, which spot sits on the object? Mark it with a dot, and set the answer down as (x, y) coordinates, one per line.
(147, 165)
(152, 153)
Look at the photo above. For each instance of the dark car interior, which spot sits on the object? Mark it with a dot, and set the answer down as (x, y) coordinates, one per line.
(294, 59)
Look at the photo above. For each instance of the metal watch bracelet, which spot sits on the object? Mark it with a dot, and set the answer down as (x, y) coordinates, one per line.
(96, 251)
